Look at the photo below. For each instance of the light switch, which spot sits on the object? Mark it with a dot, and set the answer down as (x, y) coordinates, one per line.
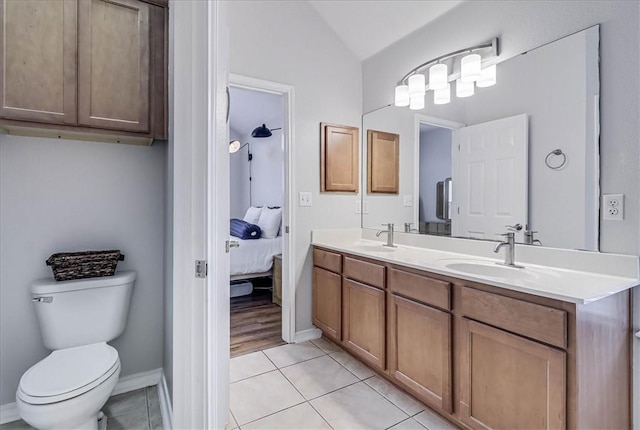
(304, 198)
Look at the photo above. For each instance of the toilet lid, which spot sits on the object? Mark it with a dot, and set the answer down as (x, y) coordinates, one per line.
(69, 372)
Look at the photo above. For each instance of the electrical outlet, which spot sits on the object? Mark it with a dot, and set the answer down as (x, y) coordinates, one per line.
(358, 206)
(613, 207)
(304, 198)
(408, 200)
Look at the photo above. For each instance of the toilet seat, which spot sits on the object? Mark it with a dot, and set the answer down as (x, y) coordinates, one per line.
(68, 373)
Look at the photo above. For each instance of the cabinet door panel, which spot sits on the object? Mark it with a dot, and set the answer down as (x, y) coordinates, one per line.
(38, 60)
(113, 64)
(327, 302)
(509, 382)
(339, 158)
(420, 350)
(364, 322)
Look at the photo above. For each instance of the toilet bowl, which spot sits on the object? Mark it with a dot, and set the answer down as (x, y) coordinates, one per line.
(67, 389)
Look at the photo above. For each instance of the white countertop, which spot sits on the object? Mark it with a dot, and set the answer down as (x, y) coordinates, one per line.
(571, 276)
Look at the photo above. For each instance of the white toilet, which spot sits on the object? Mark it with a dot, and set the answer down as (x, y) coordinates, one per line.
(67, 389)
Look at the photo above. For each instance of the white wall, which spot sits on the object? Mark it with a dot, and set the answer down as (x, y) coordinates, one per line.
(287, 42)
(238, 178)
(59, 195)
(435, 166)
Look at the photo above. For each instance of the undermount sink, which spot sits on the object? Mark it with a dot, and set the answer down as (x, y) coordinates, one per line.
(489, 269)
(373, 248)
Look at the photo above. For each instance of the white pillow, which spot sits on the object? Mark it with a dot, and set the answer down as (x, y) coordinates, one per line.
(253, 215)
(269, 222)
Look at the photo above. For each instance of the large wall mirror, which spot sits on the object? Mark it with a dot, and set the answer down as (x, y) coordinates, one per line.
(457, 176)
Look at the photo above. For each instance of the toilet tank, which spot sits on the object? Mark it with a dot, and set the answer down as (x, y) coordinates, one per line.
(84, 311)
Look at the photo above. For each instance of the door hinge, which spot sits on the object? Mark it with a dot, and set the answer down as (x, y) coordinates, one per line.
(201, 268)
(286, 229)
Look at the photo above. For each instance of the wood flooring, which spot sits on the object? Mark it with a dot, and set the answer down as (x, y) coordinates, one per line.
(256, 323)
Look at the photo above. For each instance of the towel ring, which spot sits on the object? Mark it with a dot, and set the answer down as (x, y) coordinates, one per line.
(556, 152)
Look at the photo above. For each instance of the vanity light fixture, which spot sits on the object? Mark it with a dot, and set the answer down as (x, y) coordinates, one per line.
(487, 77)
(443, 96)
(464, 89)
(466, 67)
(471, 68)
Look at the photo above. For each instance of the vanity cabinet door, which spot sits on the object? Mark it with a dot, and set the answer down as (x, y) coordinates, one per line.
(420, 350)
(38, 61)
(509, 382)
(327, 302)
(339, 158)
(364, 322)
(113, 64)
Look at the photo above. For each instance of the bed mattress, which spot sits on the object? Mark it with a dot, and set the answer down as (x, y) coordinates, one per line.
(254, 255)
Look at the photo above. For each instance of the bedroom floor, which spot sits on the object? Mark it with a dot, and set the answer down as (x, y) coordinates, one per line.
(256, 322)
(317, 385)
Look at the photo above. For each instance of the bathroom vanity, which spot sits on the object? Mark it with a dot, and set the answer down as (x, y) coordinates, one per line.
(487, 346)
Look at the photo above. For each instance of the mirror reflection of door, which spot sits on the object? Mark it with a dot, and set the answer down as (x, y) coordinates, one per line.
(490, 177)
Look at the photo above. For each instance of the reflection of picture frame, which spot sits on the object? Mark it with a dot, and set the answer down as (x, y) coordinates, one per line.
(383, 162)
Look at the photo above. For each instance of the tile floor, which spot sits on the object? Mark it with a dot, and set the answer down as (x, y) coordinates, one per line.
(316, 385)
(136, 410)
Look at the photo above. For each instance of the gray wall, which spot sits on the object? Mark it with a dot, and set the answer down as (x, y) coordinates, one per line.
(435, 166)
(59, 195)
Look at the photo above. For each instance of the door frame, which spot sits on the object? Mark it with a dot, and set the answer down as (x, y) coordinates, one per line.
(288, 273)
(198, 133)
(431, 120)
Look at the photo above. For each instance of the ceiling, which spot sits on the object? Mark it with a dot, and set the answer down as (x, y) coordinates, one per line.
(368, 26)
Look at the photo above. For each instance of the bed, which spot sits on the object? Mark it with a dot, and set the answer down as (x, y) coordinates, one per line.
(254, 257)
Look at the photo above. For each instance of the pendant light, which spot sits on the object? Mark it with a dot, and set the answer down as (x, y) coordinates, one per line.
(464, 89)
(416, 85)
(487, 77)
(470, 68)
(438, 76)
(443, 96)
(402, 95)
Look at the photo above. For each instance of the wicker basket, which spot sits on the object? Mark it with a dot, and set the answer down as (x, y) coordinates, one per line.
(87, 264)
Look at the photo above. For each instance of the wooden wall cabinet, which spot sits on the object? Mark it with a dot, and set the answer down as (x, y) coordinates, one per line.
(80, 67)
(383, 162)
(339, 158)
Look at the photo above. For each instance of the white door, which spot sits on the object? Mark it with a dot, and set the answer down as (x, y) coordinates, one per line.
(200, 194)
(490, 177)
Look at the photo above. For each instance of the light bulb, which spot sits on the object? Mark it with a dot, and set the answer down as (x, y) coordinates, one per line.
(416, 85)
(443, 96)
(487, 77)
(402, 95)
(464, 89)
(470, 68)
(417, 102)
(438, 76)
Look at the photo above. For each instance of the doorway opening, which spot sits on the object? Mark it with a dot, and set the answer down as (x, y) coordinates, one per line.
(259, 133)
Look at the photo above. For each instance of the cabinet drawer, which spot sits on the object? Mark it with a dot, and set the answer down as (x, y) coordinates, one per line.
(327, 260)
(363, 271)
(421, 288)
(538, 322)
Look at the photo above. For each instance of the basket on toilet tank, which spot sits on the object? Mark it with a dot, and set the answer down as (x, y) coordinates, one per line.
(68, 266)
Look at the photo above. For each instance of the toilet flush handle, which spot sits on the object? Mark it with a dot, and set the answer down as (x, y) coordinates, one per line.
(47, 299)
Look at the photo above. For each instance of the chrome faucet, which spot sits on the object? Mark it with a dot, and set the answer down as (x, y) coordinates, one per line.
(407, 227)
(389, 232)
(509, 255)
(529, 238)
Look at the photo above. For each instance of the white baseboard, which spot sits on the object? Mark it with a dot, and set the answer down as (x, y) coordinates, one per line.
(305, 335)
(9, 412)
(165, 404)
